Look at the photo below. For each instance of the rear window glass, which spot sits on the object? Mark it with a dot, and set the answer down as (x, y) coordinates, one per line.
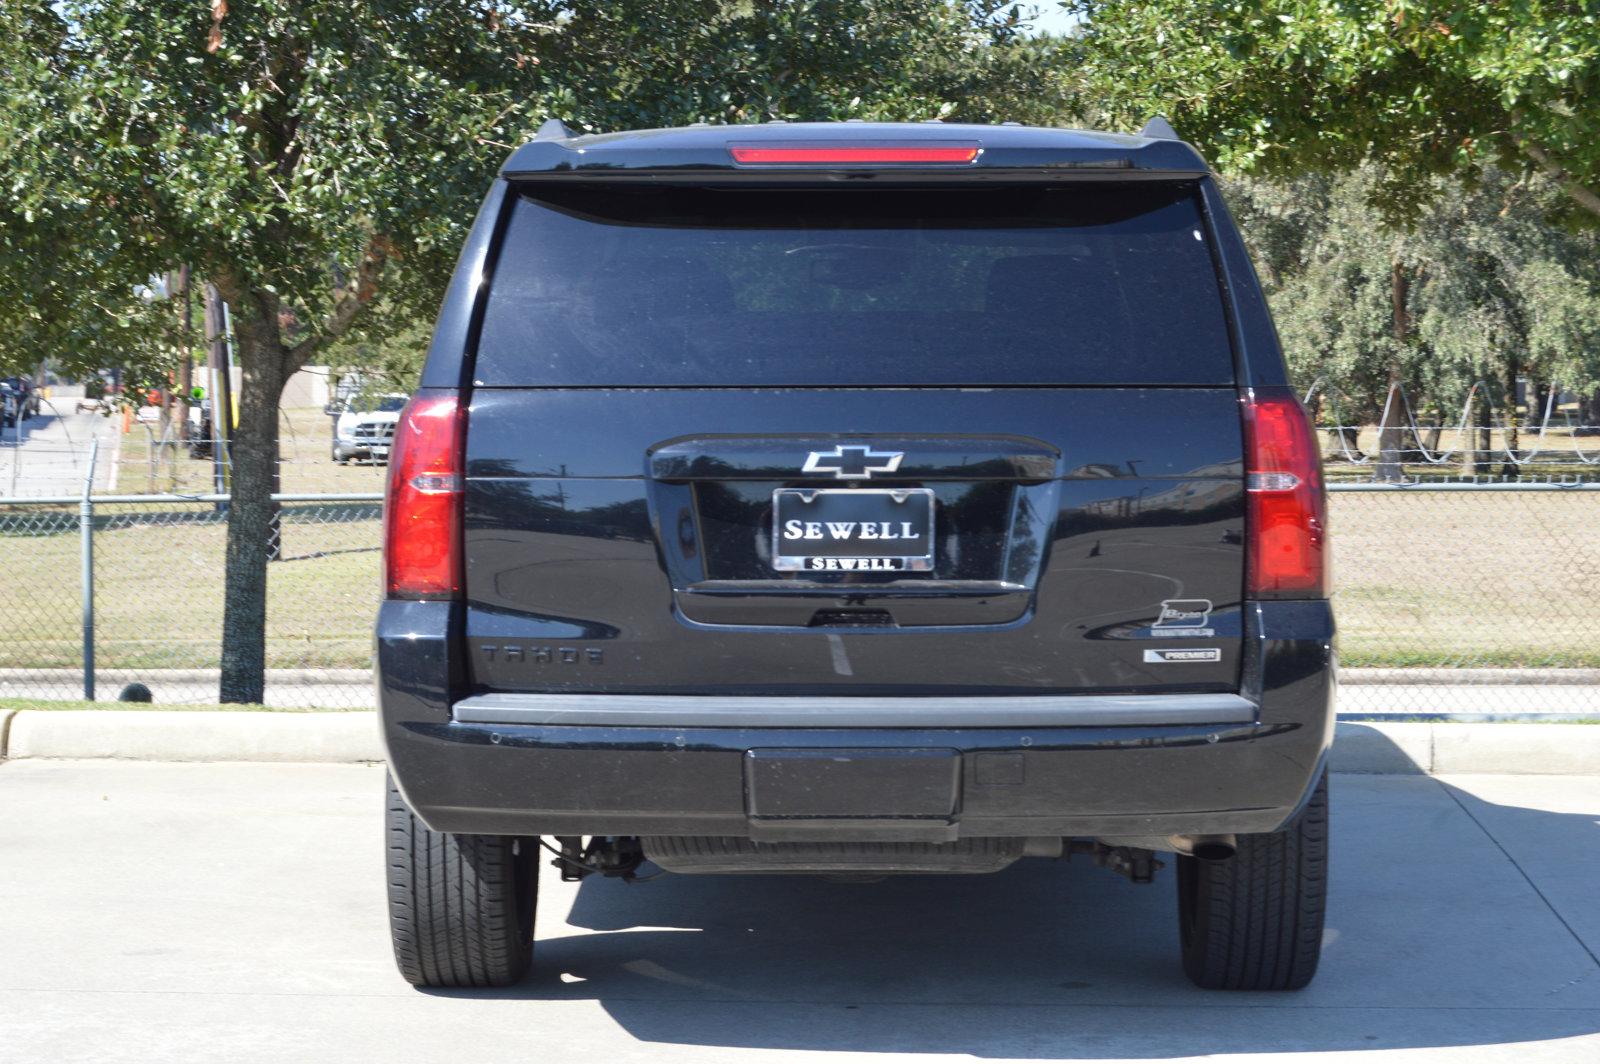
(1075, 284)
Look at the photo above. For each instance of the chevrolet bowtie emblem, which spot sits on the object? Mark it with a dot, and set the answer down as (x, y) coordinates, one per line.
(852, 463)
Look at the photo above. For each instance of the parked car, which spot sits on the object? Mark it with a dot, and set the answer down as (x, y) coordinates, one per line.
(855, 499)
(363, 426)
(30, 390)
(22, 398)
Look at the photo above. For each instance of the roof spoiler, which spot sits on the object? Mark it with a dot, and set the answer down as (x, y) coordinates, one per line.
(554, 129)
(1158, 128)
(818, 152)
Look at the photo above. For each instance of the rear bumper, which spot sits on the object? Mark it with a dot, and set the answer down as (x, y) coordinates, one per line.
(589, 765)
(676, 712)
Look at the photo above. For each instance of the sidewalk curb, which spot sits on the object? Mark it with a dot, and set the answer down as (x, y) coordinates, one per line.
(199, 735)
(1446, 749)
(1427, 676)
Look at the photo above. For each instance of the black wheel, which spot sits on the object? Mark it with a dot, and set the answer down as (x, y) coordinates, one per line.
(1254, 921)
(339, 455)
(460, 906)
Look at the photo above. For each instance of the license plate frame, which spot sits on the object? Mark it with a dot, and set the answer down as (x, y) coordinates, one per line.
(786, 502)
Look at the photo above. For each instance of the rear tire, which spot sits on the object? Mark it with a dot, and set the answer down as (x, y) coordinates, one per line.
(460, 906)
(1254, 921)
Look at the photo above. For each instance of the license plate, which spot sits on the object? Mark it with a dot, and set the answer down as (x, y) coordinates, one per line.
(852, 530)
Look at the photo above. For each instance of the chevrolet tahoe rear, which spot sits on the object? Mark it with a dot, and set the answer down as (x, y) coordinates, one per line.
(855, 499)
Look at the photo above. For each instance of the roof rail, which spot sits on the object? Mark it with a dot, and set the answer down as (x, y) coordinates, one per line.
(1158, 128)
(554, 129)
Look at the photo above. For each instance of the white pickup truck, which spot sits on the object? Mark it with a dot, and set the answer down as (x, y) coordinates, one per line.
(363, 426)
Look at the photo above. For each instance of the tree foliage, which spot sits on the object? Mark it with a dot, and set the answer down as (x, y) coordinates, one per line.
(295, 153)
(319, 161)
(1494, 289)
(1423, 88)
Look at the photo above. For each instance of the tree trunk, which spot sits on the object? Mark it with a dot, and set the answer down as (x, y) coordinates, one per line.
(1538, 394)
(251, 517)
(1585, 197)
(1513, 370)
(1390, 432)
(1350, 438)
(1589, 415)
(1475, 457)
(1485, 432)
(1391, 460)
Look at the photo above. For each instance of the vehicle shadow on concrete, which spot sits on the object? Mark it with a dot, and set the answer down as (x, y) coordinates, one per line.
(20, 433)
(1435, 938)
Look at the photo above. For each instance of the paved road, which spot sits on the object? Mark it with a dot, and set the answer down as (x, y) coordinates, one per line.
(172, 913)
(50, 454)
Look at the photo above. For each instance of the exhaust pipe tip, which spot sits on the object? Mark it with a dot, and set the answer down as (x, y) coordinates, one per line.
(1213, 847)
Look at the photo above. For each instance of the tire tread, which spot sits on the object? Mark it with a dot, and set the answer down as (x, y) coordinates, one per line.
(1254, 921)
(460, 906)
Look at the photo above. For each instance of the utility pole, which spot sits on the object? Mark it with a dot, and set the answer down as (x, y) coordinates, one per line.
(222, 388)
(180, 404)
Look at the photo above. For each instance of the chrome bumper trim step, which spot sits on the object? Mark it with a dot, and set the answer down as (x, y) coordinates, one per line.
(832, 711)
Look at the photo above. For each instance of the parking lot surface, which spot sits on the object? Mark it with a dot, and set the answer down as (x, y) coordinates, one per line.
(49, 454)
(234, 912)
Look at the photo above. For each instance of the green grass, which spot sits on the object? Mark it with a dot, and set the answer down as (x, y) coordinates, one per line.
(1425, 580)
(307, 466)
(1389, 653)
(159, 591)
(1449, 579)
(1386, 718)
(31, 704)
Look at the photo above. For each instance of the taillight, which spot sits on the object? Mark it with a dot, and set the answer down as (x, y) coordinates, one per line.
(1286, 520)
(422, 520)
(815, 155)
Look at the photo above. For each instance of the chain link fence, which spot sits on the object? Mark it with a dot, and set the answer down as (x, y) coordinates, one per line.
(157, 595)
(1467, 599)
(1459, 599)
(47, 455)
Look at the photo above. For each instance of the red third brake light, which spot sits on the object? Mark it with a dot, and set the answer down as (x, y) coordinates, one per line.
(422, 520)
(750, 155)
(1287, 510)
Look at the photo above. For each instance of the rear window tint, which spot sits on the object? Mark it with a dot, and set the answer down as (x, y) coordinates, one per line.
(1075, 284)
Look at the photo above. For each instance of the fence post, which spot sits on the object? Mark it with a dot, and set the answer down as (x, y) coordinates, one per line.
(86, 533)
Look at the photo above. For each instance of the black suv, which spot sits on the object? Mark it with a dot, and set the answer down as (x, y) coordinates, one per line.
(856, 499)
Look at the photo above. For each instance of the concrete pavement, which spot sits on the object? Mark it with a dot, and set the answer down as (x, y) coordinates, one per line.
(1469, 699)
(49, 454)
(171, 913)
(285, 688)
